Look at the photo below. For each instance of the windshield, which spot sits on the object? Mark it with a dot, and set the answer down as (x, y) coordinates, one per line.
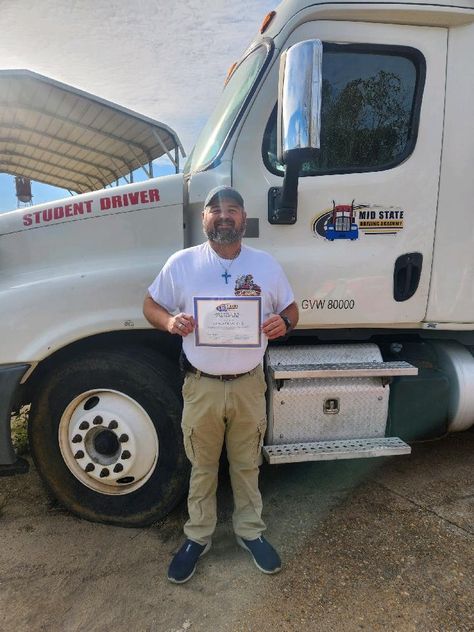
(236, 94)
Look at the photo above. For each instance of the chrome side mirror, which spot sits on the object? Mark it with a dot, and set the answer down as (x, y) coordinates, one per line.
(299, 99)
(299, 119)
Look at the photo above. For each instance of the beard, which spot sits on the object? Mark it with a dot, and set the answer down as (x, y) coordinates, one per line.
(227, 235)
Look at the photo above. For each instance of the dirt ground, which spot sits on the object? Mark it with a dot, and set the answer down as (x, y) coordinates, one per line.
(367, 545)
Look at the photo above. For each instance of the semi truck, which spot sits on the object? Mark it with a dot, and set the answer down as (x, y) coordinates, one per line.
(361, 105)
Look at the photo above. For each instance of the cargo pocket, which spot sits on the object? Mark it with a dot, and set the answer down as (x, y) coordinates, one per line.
(188, 444)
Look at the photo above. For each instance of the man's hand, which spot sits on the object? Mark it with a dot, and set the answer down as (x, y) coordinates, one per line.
(274, 327)
(182, 324)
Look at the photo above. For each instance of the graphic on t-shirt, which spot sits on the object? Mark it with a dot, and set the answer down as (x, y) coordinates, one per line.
(245, 286)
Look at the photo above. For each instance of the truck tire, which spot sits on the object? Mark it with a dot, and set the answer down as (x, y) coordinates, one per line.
(105, 436)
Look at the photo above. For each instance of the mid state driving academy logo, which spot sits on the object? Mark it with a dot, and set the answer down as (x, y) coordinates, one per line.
(347, 221)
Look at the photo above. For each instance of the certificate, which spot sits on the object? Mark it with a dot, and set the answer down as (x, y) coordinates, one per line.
(229, 321)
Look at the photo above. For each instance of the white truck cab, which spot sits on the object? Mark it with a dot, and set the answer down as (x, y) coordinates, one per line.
(345, 128)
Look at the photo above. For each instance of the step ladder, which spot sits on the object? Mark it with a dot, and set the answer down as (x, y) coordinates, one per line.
(343, 369)
(335, 450)
(336, 403)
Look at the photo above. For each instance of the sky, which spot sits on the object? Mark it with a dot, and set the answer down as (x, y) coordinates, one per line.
(162, 59)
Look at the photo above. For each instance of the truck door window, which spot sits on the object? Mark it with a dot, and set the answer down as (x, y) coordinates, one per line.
(371, 98)
(237, 93)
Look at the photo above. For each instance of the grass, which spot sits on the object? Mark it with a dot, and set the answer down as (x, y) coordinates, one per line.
(19, 425)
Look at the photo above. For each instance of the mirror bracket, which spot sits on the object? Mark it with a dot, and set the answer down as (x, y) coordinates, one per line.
(283, 201)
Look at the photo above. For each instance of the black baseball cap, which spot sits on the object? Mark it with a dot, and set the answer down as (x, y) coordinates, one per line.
(223, 192)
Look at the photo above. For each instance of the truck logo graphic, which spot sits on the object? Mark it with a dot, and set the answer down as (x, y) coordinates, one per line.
(347, 221)
(341, 224)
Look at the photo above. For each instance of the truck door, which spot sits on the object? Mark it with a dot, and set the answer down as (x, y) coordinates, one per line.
(360, 251)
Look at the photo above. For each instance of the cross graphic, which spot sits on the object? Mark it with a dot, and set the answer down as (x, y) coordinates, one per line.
(226, 276)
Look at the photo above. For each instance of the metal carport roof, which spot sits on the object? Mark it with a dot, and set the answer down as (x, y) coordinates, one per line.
(57, 134)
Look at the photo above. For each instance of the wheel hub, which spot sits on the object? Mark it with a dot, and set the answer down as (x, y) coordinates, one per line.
(102, 445)
(108, 441)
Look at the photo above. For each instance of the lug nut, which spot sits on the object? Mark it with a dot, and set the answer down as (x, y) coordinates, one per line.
(84, 425)
(126, 454)
(123, 438)
(118, 468)
(79, 454)
(113, 424)
(77, 438)
(104, 472)
(97, 420)
(90, 467)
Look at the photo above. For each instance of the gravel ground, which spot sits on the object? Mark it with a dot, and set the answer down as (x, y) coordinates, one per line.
(396, 554)
(367, 545)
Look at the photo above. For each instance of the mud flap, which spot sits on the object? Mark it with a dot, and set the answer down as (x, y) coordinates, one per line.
(10, 376)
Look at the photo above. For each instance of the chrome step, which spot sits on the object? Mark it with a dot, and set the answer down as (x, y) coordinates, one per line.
(348, 369)
(334, 450)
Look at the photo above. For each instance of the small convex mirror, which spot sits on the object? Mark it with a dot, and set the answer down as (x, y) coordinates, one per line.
(299, 101)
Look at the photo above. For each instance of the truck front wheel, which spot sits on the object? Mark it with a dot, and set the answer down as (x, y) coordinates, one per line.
(105, 436)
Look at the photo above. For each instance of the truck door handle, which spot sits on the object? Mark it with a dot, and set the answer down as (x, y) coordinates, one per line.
(406, 275)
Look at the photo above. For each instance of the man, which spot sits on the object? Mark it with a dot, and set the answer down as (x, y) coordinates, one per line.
(224, 387)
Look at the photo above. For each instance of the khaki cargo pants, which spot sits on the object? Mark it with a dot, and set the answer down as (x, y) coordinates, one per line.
(215, 411)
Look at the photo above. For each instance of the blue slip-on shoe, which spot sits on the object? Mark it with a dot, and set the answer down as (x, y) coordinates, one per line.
(264, 555)
(184, 562)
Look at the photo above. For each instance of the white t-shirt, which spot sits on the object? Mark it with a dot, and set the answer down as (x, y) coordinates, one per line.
(197, 271)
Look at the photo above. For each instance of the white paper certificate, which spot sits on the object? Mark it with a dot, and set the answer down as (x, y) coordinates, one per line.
(229, 321)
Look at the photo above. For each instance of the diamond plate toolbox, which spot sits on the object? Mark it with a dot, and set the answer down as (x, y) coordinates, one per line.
(321, 409)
